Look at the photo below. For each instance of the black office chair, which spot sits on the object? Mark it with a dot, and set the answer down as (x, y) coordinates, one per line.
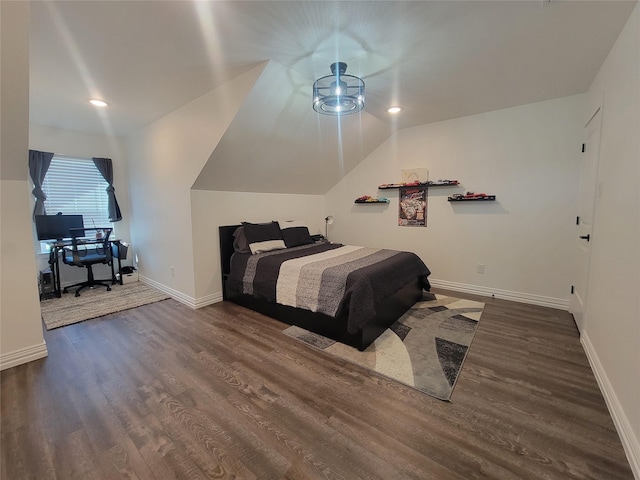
(80, 255)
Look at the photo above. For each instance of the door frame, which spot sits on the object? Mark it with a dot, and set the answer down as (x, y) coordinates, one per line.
(578, 300)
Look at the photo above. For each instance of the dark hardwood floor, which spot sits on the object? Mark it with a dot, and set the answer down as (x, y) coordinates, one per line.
(163, 391)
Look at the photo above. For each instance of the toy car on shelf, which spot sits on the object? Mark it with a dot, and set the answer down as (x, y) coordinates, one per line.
(471, 196)
(417, 183)
(370, 199)
(440, 183)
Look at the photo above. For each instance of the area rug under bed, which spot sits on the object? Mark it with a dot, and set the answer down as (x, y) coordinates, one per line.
(424, 349)
(96, 302)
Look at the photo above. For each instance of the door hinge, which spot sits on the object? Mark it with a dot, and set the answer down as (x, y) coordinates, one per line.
(572, 289)
(584, 147)
(577, 220)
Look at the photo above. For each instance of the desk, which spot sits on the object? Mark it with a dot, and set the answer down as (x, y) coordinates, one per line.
(58, 247)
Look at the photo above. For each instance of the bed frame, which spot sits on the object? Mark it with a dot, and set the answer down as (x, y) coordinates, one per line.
(388, 309)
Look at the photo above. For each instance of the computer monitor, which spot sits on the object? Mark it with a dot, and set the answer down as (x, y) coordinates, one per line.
(56, 227)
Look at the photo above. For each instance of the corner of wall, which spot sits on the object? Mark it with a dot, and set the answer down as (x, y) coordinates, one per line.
(23, 355)
(623, 425)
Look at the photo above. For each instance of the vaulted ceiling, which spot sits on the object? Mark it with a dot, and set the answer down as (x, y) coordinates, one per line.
(438, 60)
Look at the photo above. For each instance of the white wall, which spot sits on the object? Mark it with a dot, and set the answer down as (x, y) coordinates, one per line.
(21, 336)
(86, 145)
(611, 334)
(527, 156)
(164, 160)
(213, 209)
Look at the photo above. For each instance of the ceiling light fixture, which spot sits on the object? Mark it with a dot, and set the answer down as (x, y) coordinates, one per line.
(338, 94)
(394, 109)
(98, 103)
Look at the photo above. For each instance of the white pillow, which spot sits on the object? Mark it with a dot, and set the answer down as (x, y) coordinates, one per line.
(291, 223)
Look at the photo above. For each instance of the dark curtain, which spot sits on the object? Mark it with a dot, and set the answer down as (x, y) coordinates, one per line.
(105, 167)
(38, 165)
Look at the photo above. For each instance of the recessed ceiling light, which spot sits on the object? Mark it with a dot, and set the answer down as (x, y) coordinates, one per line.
(98, 103)
(394, 109)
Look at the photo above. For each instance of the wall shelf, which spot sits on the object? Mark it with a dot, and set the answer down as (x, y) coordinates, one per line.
(375, 200)
(437, 183)
(466, 198)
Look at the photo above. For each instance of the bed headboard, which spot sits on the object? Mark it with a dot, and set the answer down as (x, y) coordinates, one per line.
(226, 247)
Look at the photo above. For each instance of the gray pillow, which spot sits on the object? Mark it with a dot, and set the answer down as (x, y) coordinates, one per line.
(240, 243)
(296, 236)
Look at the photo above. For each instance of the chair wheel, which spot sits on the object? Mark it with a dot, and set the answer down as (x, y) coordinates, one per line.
(108, 289)
(77, 294)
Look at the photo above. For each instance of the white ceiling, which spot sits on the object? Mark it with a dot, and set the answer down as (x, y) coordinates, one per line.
(439, 60)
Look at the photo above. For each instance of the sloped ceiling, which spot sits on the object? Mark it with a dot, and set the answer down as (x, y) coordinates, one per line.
(438, 59)
(290, 149)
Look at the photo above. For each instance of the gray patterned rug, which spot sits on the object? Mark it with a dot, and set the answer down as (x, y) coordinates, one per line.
(424, 349)
(96, 302)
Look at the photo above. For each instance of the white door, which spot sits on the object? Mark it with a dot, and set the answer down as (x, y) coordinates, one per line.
(584, 220)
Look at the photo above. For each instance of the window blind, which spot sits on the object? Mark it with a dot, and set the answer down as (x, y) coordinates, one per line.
(75, 186)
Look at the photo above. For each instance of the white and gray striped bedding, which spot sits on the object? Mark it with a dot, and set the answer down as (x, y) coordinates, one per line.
(328, 278)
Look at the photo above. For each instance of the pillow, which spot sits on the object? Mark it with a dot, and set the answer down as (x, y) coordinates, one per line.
(240, 243)
(290, 223)
(296, 236)
(263, 237)
(294, 233)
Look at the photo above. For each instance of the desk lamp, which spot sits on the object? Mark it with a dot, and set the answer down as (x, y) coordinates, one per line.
(328, 220)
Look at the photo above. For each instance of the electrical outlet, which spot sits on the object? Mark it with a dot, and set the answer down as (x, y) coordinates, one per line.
(481, 268)
(173, 271)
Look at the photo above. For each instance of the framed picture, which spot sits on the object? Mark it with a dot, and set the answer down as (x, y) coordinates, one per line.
(412, 211)
(415, 174)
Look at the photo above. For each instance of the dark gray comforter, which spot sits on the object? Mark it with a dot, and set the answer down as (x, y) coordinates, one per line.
(334, 279)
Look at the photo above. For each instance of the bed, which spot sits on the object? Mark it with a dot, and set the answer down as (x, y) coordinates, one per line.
(346, 293)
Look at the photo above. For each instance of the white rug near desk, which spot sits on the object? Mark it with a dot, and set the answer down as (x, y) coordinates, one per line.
(96, 302)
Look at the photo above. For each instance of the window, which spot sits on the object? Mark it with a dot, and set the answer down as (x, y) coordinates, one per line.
(75, 186)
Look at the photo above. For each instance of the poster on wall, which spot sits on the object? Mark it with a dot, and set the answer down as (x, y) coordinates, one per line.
(415, 175)
(413, 207)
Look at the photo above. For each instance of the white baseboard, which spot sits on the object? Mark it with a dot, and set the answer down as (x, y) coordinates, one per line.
(628, 438)
(551, 302)
(208, 300)
(24, 355)
(181, 297)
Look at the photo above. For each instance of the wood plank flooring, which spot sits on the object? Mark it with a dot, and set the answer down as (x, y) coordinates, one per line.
(163, 392)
